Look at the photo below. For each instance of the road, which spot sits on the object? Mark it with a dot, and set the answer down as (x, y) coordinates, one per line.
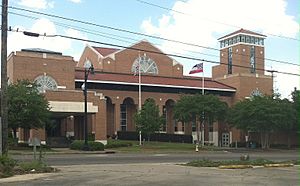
(157, 169)
(128, 158)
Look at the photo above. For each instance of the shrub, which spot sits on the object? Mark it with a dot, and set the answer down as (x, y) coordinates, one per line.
(6, 166)
(35, 166)
(96, 146)
(117, 143)
(93, 146)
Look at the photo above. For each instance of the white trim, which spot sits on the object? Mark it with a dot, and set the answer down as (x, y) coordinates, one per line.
(144, 40)
(71, 107)
(94, 50)
(61, 87)
(154, 85)
(241, 33)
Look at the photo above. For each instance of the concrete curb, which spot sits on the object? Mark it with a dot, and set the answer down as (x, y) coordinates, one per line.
(235, 166)
(279, 165)
(251, 166)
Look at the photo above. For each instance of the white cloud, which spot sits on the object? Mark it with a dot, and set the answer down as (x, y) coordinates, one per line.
(204, 21)
(17, 41)
(38, 4)
(284, 83)
(201, 20)
(75, 1)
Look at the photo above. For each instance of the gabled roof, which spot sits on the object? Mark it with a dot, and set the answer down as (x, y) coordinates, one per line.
(158, 81)
(243, 31)
(105, 51)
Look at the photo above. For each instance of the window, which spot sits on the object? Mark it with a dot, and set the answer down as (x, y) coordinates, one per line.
(123, 119)
(247, 39)
(175, 125)
(44, 83)
(226, 43)
(222, 44)
(234, 40)
(238, 39)
(261, 42)
(230, 41)
(256, 41)
(252, 40)
(147, 65)
(230, 60)
(182, 127)
(243, 39)
(252, 59)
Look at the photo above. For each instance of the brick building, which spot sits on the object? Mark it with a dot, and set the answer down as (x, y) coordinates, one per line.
(113, 94)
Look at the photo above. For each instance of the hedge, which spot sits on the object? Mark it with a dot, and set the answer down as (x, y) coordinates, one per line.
(93, 145)
(163, 137)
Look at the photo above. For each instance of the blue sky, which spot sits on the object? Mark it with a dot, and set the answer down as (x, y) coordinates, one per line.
(201, 22)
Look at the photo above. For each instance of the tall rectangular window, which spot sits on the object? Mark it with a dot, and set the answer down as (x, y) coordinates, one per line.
(243, 39)
(252, 59)
(230, 60)
(175, 125)
(123, 118)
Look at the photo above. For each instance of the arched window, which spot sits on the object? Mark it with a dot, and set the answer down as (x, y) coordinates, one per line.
(145, 64)
(45, 82)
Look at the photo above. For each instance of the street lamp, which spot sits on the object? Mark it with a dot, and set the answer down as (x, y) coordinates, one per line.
(88, 68)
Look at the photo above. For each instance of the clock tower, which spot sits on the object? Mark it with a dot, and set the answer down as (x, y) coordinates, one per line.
(242, 64)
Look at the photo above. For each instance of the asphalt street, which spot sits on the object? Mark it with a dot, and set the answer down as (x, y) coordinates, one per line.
(128, 158)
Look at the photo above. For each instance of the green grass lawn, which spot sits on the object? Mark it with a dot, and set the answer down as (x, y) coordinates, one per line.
(157, 147)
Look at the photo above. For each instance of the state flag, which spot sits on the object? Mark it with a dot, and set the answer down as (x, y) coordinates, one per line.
(197, 68)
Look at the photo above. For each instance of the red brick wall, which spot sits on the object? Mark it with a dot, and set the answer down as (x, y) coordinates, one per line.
(28, 65)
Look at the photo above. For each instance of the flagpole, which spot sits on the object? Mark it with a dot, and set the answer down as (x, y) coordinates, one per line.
(202, 132)
(140, 96)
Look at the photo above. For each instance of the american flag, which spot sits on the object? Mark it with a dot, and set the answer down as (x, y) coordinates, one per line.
(197, 68)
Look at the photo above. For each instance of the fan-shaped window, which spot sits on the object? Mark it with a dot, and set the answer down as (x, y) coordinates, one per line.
(45, 82)
(146, 65)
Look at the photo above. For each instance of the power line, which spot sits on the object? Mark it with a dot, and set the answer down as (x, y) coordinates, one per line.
(143, 50)
(218, 22)
(103, 34)
(138, 33)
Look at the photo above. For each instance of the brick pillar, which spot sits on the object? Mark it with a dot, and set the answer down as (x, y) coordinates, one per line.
(117, 117)
(100, 121)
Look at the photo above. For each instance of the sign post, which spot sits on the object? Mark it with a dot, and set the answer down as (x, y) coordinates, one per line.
(34, 142)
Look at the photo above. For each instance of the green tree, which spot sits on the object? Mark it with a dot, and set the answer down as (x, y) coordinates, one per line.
(203, 108)
(263, 114)
(148, 119)
(296, 104)
(27, 108)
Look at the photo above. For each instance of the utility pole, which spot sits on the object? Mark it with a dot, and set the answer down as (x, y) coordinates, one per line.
(272, 75)
(4, 110)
